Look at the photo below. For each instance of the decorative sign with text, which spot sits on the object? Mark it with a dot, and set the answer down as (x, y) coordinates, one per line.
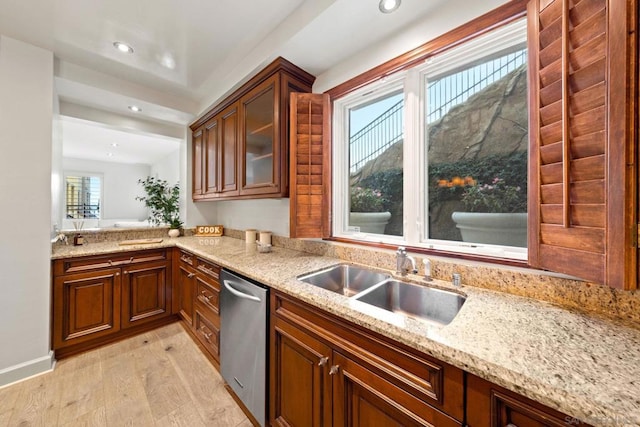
(209, 230)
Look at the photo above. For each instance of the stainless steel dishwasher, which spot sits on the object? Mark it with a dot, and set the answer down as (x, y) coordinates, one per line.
(243, 340)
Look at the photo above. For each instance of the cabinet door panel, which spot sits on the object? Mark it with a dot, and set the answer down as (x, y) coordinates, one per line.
(229, 151)
(363, 399)
(186, 293)
(145, 294)
(197, 163)
(301, 384)
(86, 306)
(260, 139)
(211, 146)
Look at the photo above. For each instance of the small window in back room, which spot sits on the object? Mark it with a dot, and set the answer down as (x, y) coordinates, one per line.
(83, 196)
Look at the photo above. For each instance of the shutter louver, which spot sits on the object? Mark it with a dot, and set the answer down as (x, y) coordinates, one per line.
(580, 221)
(310, 165)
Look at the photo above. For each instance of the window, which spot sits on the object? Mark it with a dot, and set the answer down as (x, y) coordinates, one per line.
(419, 154)
(83, 196)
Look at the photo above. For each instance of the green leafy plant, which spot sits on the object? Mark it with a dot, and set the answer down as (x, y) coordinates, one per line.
(367, 200)
(162, 200)
(494, 197)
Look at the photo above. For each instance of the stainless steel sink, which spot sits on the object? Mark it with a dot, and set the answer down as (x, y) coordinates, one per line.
(425, 303)
(345, 279)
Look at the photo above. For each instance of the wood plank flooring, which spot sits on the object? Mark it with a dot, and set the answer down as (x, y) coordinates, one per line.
(159, 378)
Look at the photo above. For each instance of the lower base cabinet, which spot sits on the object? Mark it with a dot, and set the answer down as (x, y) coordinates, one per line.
(325, 372)
(98, 299)
(489, 405)
(198, 299)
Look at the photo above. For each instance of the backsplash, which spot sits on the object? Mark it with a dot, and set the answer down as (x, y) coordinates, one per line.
(540, 285)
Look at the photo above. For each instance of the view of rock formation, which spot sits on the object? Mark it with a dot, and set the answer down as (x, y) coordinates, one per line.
(493, 121)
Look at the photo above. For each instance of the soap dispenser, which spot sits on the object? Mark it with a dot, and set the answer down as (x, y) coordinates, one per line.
(427, 269)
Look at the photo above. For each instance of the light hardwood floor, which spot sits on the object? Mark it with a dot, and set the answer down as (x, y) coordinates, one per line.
(159, 378)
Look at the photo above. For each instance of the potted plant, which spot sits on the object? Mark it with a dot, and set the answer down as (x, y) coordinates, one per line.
(163, 203)
(368, 210)
(495, 213)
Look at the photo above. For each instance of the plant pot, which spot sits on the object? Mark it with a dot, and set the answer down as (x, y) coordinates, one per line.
(174, 232)
(369, 222)
(505, 229)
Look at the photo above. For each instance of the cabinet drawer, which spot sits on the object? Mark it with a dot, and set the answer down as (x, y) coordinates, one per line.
(207, 332)
(208, 295)
(187, 258)
(209, 269)
(81, 264)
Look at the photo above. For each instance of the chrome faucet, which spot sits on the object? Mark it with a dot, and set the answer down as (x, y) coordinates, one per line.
(61, 237)
(401, 262)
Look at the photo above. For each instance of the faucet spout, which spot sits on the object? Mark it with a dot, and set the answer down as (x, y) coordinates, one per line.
(402, 259)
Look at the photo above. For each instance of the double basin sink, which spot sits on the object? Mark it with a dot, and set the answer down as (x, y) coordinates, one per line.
(383, 291)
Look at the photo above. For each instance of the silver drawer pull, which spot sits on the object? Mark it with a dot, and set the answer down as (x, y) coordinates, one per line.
(190, 275)
(323, 361)
(204, 296)
(186, 259)
(334, 369)
(130, 260)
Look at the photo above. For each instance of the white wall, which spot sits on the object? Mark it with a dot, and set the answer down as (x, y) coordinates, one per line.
(168, 168)
(120, 187)
(26, 92)
(56, 167)
(274, 214)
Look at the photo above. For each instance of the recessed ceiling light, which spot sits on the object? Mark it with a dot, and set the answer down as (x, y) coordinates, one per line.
(388, 6)
(135, 108)
(115, 144)
(124, 48)
(110, 154)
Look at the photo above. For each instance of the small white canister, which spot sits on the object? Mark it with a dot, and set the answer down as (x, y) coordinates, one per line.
(265, 237)
(250, 235)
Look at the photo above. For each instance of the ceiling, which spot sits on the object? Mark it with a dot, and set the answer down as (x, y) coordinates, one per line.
(92, 141)
(188, 54)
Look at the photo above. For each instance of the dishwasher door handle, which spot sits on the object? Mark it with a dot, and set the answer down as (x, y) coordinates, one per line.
(227, 284)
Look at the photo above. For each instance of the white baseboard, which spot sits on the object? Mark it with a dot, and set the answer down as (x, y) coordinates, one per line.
(27, 369)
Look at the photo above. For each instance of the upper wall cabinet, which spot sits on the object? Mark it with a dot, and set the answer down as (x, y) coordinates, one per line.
(582, 204)
(241, 146)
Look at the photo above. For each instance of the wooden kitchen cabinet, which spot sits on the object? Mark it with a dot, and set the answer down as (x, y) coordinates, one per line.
(325, 371)
(198, 289)
(146, 293)
(86, 306)
(185, 286)
(240, 148)
(300, 385)
(489, 405)
(98, 299)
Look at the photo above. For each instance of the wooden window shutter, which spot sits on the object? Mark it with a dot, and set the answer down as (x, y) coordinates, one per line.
(310, 165)
(582, 199)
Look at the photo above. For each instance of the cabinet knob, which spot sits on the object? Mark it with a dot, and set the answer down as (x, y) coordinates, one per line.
(125, 272)
(190, 275)
(334, 369)
(205, 296)
(323, 361)
(130, 260)
(110, 263)
(117, 274)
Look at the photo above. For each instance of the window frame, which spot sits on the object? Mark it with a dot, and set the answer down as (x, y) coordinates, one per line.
(413, 81)
(377, 77)
(83, 175)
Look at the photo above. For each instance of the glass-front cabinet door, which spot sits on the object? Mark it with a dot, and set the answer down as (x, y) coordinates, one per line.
(259, 162)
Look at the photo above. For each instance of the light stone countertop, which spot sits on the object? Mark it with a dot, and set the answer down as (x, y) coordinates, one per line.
(585, 366)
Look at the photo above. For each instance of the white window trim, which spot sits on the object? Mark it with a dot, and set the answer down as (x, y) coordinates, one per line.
(88, 175)
(414, 208)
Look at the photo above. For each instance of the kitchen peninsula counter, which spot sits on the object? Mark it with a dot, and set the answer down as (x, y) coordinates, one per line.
(583, 365)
